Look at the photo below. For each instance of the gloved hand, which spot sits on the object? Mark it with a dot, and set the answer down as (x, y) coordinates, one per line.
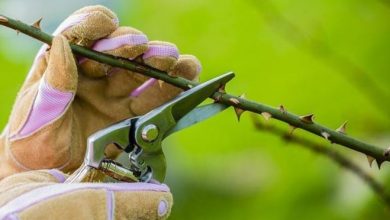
(42, 195)
(63, 101)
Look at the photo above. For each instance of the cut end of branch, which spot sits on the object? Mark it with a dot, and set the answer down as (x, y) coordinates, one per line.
(370, 160)
(342, 129)
(307, 119)
(3, 19)
(37, 24)
(239, 112)
(266, 115)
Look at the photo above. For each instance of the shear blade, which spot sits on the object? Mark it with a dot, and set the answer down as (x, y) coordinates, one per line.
(197, 115)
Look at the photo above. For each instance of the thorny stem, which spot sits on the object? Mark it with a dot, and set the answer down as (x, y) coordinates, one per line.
(330, 153)
(380, 154)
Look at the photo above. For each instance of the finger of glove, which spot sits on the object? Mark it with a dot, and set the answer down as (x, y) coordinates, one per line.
(49, 98)
(146, 99)
(162, 56)
(91, 201)
(88, 24)
(124, 42)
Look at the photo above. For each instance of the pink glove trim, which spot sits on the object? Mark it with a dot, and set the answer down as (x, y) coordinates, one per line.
(161, 50)
(136, 92)
(110, 204)
(70, 22)
(41, 194)
(58, 175)
(155, 50)
(116, 42)
(49, 105)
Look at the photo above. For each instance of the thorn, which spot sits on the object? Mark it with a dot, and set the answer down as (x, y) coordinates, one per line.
(160, 83)
(266, 115)
(3, 19)
(282, 109)
(17, 32)
(370, 160)
(190, 86)
(242, 96)
(379, 163)
(307, 118)
(342, 128)
(221, 89)
(37, 24)
(79, 42)
(292, 129)
(234, 101)
(326, 135)
(239, 112)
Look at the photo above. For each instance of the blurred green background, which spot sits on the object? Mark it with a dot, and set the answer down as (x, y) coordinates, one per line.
(323, 56)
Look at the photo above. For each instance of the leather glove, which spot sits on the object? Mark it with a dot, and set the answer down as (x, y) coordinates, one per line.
(64, 100)
(42, 195)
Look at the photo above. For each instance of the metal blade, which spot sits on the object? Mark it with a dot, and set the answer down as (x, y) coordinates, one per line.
(198, 114)
(165, 117)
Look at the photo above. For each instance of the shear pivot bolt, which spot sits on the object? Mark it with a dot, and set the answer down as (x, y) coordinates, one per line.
(150, 133)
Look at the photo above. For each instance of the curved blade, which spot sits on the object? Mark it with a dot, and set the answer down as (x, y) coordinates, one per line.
(166, 116)
(197, 115)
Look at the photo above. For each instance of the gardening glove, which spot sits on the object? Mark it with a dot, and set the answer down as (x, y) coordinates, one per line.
(42, 195)
(65, 98)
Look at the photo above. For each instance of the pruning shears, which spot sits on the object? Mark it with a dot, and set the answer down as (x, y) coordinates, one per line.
(141, 137)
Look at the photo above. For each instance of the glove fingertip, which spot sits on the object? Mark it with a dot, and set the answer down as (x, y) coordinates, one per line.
(61, 72)
(187, 66)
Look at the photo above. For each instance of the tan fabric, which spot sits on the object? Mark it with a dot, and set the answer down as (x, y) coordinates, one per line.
(101, 95)
(82, 204)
